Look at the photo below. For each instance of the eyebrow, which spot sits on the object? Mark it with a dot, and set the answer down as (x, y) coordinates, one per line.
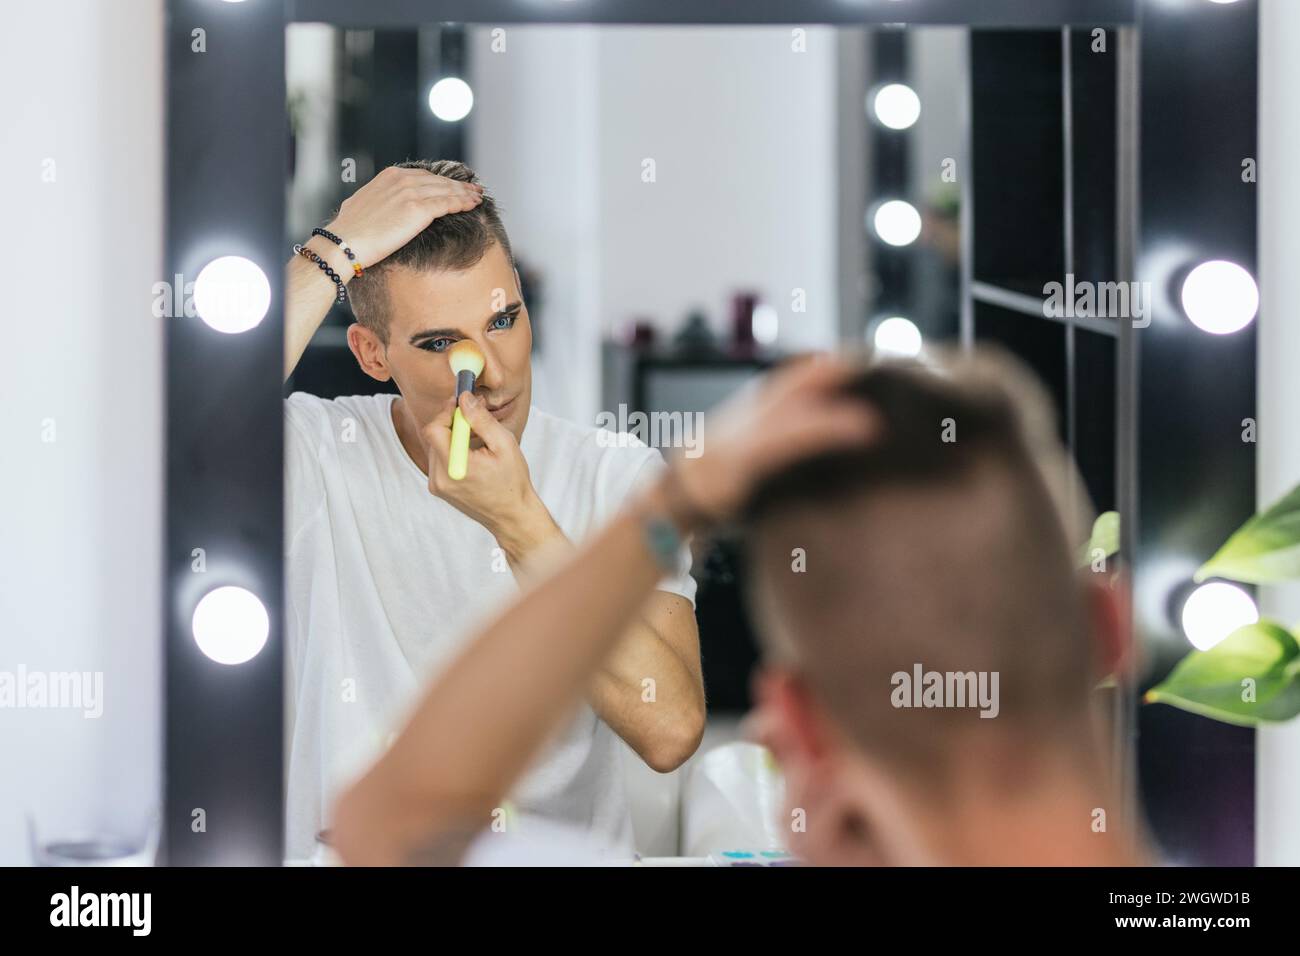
(509, 309)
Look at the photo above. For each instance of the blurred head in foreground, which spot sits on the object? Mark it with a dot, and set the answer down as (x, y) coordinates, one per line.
(932, 653)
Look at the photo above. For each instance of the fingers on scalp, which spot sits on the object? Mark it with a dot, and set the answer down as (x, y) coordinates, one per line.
(803, 370)
(829, 367)
(854, 421)
(429, 191)
(442, 183)
(818, 378)
(839, 429)
(439, 198)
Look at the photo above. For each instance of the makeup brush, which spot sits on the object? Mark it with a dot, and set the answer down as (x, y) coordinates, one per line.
(466, 361)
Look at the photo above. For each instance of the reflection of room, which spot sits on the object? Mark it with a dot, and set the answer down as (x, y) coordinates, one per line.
(624, 184)
(719, 178)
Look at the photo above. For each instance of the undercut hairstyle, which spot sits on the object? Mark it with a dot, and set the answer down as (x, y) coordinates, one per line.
(450, 243)
(950, 543)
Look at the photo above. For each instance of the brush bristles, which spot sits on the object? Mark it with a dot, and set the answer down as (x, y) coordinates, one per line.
(465, 356)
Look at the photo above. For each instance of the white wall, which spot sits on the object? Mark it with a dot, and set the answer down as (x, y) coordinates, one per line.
(938, 72)
(311, 72)
(1277, 825)
(533, 143)
(742, 132)
(80, 528)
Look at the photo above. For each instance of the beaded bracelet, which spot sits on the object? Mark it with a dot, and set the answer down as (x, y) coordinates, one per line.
(352, 256)
(303, 251)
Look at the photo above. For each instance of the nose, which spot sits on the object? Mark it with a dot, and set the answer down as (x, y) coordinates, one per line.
(492, 377)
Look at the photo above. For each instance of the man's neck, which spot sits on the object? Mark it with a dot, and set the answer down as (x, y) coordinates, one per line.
(1058, 814)
(409, 435)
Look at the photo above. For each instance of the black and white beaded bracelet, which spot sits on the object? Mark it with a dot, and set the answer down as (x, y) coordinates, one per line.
(347, 250)
(300, 250)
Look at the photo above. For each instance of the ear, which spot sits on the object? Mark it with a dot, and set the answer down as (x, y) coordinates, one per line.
(862, 816)
(790, 725)
(844, 809)
(371, 354)
(1110, 617)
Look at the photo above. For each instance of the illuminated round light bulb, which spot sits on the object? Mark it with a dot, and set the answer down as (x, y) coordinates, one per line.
(232, 294)
(897, 336)
(230, 625)
(451, 99)
(1215, 610)
(896, 106)
(764, 324)
(1220, 297)
(897, 222)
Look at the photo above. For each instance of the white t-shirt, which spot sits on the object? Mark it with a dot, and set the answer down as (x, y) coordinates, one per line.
(385, 581)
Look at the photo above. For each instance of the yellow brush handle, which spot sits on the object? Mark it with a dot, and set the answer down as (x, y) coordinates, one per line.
(458, 462)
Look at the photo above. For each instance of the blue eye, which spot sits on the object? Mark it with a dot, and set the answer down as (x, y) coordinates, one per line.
(508, 319)
(436, 345)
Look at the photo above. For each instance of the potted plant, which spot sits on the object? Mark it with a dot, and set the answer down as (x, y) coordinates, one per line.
(1253, 675)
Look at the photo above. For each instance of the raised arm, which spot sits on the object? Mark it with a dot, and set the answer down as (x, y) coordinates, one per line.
(485, 718)
(379, 218)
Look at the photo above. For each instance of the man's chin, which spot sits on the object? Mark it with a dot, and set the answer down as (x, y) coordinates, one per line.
(516, 417)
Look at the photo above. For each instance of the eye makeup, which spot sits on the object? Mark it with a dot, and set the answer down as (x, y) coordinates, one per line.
(440, 340)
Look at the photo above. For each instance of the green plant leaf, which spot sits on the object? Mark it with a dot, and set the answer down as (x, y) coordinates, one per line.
(1105, 535)
(1265, 550)
(1210, 682)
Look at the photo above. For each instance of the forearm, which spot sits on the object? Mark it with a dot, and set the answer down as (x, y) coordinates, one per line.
(309, 296)
(482, 722)
(651, 697)
(532, 540)
(644, 690)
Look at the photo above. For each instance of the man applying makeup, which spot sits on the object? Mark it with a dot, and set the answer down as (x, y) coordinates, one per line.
(390, 564)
